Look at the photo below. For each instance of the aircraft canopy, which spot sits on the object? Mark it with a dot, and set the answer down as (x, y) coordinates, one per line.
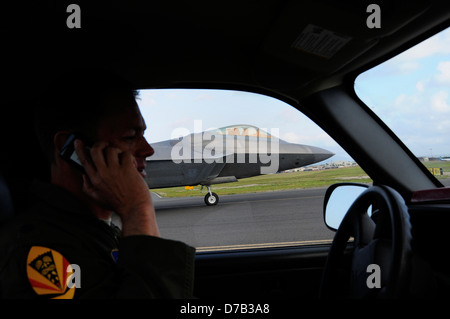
(243, 130)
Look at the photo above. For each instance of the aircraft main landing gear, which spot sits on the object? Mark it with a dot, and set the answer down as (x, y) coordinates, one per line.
(211, 198)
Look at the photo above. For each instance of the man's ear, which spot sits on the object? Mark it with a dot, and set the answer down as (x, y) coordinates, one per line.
(60, 139)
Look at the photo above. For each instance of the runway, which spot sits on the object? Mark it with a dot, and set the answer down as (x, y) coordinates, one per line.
(270, 219)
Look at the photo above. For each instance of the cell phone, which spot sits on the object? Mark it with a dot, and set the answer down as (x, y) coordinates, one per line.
(68, 151)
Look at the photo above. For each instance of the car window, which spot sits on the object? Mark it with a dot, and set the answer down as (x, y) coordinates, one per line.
(263, 202)
(410, 93)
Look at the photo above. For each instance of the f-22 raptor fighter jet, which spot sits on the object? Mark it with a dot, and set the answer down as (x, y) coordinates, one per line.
(225, 155)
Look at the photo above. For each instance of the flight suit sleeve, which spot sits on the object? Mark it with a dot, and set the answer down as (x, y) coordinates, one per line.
(155, 267)
(13, 277)
(147, 267)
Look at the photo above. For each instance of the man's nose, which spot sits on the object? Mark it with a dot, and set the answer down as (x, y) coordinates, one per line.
(145, 149)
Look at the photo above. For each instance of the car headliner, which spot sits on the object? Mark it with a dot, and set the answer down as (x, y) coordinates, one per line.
(245, 45)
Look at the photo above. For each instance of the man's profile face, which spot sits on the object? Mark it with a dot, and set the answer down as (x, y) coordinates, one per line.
(124, 128)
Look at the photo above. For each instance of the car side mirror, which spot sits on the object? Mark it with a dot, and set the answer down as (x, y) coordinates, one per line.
(338, 199)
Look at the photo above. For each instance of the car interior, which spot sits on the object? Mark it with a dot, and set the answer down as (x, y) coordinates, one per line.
(255, 46)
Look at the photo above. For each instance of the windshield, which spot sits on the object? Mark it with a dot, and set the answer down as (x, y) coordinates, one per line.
(410, 93)
(238, 170)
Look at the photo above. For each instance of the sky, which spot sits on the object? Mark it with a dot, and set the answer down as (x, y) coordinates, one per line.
(410, 93)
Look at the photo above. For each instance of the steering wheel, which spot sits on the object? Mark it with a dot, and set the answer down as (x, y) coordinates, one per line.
(381, 256)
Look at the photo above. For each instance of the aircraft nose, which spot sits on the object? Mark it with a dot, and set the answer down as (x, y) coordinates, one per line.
(314, 154)
(320, 154)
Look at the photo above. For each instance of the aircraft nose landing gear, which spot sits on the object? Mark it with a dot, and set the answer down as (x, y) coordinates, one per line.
(211, 198)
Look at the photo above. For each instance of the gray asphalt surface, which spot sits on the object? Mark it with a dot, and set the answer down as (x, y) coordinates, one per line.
(246, 221)
(251, 219)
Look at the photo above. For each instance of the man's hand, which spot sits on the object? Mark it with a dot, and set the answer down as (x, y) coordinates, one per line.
(113, 181)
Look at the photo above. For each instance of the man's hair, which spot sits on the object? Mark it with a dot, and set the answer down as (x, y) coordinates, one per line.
(77, 102)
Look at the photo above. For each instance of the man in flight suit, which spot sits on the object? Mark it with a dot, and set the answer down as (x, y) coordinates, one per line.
(65, 245)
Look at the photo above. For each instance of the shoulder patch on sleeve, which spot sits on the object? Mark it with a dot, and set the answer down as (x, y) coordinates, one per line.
(49, 272)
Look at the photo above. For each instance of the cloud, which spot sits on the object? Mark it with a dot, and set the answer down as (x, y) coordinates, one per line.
(407, 104)
(444, 76)
(413, 59)
(436, 45)
(420, 119)
(415, 105)
(408, 67)
(439, 102)
(420, 86)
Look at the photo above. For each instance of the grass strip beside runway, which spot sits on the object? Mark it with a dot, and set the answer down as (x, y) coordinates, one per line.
(286, 181)
(274, 182)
